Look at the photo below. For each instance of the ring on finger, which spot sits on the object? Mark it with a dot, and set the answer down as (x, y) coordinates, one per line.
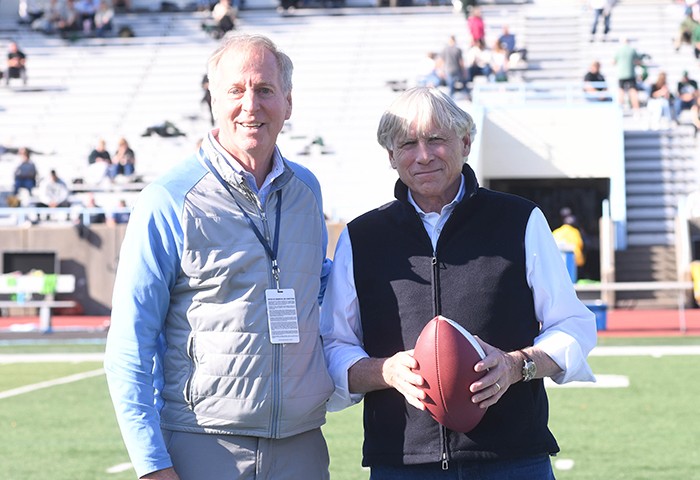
(498, 386)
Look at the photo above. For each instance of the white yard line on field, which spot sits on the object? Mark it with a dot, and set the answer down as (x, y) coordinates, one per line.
(51, 357)
(120, 467)
(51, 383)
(617, 351)
(645, 351)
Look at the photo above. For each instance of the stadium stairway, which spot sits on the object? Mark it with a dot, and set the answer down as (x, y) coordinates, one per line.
(660, 168)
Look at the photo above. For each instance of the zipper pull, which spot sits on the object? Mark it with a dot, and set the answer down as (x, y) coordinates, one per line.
(445, 461)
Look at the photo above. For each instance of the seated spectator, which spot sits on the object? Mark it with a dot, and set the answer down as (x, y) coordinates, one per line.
(97, 214)
(103, 19)
(594, 85)
(29, 11)
(124, 159)
(69, 21)
(99, 152)
(92, 213)
(686, 93)
(431, 71)
(86, 14)
(48, 22)
(100, 173)
(53, 192)
(25, 173)
(16, 64)
(498, 63)
(695, 114)
(223, 15)
(477, 61)
(120, 215)
(508, 42)
(660, 102)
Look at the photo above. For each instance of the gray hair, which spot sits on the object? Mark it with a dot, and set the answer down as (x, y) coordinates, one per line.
(243, 44)
(422, 108)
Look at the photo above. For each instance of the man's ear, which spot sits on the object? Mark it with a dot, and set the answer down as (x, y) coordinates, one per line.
(213, 106)
(392, 161)
(289, 107)
(466, 145)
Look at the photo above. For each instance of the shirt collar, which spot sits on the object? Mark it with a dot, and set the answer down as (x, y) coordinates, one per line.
(230, 169)
(447, 209)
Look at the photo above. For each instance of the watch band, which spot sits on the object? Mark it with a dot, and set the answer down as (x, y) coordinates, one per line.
(529, 367)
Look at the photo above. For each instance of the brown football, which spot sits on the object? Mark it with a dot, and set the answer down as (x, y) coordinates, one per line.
(446, 354)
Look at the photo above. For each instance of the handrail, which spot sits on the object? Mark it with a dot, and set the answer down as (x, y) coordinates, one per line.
(21, 215)
(540, 91)
(680, 287)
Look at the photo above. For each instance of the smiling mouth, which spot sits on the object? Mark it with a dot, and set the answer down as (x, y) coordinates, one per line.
(428, 172)
(252, 125)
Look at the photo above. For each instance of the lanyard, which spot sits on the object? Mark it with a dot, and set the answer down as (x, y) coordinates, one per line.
(271, 251)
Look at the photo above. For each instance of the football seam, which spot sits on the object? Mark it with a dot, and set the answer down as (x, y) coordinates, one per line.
(437, 372)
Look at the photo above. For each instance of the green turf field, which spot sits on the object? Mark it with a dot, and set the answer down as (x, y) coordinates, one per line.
(649, 430)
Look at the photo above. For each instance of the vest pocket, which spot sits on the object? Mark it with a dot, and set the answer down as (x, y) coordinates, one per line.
(189, 385)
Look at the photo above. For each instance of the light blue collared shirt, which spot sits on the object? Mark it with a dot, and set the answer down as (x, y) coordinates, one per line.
(231, 163)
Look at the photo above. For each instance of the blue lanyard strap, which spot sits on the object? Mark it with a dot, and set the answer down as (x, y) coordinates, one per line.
(271, 251)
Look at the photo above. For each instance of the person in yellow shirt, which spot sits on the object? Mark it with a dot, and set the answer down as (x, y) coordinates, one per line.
(569, 238)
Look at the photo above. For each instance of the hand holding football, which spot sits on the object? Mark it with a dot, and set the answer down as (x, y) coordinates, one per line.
(446, 354)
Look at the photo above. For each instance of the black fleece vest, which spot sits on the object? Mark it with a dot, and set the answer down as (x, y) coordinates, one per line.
(477, 278)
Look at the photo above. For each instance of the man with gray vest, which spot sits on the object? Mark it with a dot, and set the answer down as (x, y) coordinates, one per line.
(214, 359)
(486, 260)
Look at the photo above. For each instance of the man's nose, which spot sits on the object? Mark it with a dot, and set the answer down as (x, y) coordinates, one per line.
(424, 151)
(249, 101)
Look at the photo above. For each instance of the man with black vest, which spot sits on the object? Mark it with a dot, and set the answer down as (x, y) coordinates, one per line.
(484, 259)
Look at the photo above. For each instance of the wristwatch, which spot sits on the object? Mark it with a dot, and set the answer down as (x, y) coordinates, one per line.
(529, 367)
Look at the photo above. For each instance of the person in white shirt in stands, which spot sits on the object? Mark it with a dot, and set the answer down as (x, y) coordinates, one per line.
(53, 192)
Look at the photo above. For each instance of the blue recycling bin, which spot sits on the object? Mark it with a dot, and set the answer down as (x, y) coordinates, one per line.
(600, 310)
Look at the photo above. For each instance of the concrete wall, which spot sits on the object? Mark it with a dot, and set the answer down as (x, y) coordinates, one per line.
(91, 254)
(554, 142)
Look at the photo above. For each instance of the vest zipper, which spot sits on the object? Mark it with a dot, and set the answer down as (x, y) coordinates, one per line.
(435, 280)
(276, 348)
(445, 460)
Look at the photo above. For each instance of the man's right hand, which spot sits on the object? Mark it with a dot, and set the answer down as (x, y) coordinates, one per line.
(398, 373)
(165, 474)
(370, 374)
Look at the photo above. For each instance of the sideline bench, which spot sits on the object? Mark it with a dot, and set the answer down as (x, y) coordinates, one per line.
(25, 286)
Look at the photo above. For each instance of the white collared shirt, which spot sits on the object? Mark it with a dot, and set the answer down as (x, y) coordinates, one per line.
(434, 222)
(567, 333)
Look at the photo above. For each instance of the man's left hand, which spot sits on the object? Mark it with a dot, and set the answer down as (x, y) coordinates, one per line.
(502, 370)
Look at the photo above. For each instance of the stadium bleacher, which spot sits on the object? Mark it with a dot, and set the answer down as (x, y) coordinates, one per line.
(82, 90)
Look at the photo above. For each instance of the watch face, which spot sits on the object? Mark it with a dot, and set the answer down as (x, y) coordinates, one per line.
(529, 370)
